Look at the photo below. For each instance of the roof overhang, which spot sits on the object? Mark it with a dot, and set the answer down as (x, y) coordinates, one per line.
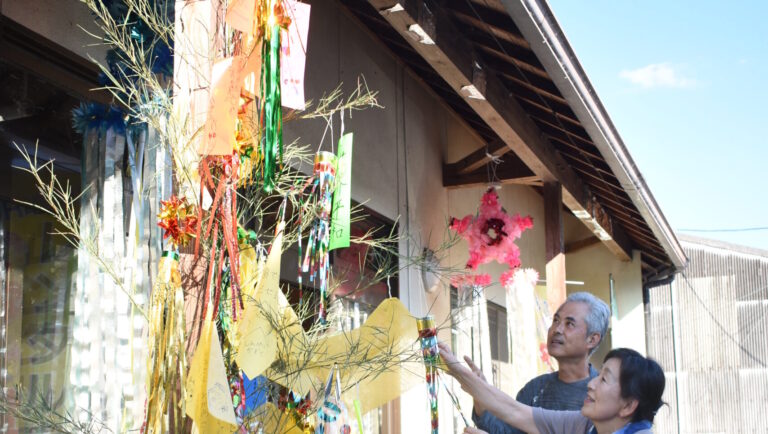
(538, 24)
(499, 79)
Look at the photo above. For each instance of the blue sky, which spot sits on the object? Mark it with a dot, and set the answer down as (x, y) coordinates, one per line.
(685, 84)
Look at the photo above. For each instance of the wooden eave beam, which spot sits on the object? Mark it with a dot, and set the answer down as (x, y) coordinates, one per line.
(510, 171)
(431, 33)
(477, 159)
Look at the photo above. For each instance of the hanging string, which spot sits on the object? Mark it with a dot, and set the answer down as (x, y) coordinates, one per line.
(491, 168)
(328, 124)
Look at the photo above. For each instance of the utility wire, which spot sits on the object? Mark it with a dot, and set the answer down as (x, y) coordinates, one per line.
(722, 328)
(760, 228)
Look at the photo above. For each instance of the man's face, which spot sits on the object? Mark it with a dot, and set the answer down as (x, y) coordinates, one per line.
(567, 336)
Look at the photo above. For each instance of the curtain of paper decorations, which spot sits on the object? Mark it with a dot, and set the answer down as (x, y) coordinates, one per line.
(471, 320)
(109, 334)
(521, 319)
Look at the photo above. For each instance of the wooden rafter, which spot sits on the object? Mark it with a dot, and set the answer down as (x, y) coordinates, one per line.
(429, 30)
(477, 159)
(510, 170)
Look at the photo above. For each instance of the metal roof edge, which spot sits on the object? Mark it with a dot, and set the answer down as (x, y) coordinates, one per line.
(723, 245)
(539, 26)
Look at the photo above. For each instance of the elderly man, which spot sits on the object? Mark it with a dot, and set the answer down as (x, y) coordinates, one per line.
(577, 329)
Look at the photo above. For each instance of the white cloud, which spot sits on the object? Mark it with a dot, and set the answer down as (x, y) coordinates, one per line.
(656, 75)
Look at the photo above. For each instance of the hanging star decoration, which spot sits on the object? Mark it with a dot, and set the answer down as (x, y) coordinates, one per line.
(178, 220)
(491, 234)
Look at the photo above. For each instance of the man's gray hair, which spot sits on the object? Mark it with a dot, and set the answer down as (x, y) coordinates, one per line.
(599, 315)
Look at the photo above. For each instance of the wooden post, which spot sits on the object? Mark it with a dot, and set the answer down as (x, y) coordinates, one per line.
(555, 244)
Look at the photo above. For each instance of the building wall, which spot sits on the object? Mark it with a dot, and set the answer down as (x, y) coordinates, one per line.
(59, 21)
(397, 160)
(708, 331)
(594, 266)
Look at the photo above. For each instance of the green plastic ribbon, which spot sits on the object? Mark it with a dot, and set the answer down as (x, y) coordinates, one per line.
(272, 142)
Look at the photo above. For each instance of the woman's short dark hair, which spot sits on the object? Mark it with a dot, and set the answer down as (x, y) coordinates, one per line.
(642, 379)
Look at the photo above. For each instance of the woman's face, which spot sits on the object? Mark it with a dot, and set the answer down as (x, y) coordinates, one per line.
(604, 401)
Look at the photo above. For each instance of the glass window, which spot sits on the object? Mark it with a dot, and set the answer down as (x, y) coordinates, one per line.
(37, 268)
(497, 327)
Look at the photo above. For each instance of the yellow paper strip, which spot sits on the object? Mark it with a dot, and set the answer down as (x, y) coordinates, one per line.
(208, 402)
(257, 340)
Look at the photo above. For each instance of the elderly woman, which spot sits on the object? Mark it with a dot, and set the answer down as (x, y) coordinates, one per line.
(623, 399)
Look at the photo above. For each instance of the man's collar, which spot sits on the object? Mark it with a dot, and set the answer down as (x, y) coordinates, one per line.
(592, 371)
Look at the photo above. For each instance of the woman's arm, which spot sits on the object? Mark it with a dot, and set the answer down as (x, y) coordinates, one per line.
(488, 397)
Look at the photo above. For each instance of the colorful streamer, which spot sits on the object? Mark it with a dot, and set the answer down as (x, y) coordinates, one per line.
(219, 174)
(296, 407)
(316, 257)
(431, 354)
(166, 338)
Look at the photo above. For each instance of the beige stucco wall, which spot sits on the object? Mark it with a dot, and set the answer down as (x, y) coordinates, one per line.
(594, 266)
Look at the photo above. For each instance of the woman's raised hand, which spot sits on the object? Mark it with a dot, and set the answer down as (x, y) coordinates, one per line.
(451, 362)
(475, 370)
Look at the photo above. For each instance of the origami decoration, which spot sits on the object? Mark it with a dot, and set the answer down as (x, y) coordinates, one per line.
(491, 234)
(178, 220)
